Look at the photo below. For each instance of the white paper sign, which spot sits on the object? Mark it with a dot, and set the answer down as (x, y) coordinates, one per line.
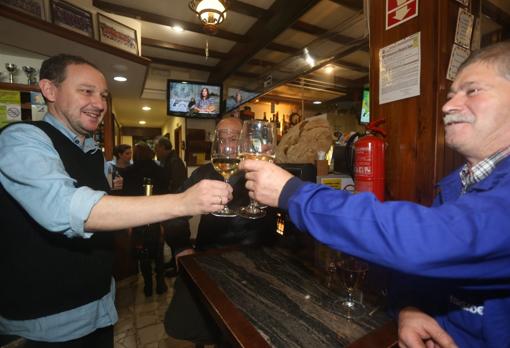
(399, 69)
(458, 56)
(464, 28)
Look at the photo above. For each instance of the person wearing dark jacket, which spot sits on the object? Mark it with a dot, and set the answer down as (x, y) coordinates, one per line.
(148, 239)
(185, 318)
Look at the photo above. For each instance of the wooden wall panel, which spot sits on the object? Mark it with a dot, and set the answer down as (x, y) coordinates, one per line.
(416, 157)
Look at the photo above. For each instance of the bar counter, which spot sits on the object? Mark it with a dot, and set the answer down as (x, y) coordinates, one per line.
(266, 297)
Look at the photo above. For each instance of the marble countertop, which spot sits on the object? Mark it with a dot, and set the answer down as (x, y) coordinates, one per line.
(284, 300)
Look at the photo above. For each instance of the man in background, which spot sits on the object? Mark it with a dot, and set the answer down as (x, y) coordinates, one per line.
(185, 319)
(176, 173)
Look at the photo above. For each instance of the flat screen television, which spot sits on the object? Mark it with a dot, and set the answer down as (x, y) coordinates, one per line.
(236, 97)
(365, 107)
(193, 99)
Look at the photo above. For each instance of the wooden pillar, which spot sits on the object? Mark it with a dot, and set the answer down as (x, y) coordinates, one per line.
(416, 156)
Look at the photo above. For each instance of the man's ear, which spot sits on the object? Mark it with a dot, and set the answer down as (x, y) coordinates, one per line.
(48, 89)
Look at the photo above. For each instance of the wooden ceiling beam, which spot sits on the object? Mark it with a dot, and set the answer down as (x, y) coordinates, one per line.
(351, 66)
(318, 31)
(247, 9)
(179, 64)
(282, 48)
(283, 14)
(181, 48)
(162, 20)
(355, 5)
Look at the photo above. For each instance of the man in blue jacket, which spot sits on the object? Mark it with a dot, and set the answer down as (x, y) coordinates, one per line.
(457, 252)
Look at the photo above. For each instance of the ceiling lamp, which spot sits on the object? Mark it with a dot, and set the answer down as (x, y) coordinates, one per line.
(210, 12)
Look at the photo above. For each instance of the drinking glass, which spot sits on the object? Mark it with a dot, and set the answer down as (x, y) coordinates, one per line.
(352, 272)
(225, 160)
(257, 142)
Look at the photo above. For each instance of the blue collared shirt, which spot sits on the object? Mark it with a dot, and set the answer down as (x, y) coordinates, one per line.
(32, 173)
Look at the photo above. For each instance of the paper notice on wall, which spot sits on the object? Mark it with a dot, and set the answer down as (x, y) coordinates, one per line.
(39, 107)
(10, 107)
(399, 67)
(464, 30)
(458, 56)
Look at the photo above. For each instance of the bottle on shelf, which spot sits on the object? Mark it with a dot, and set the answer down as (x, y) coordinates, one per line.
(265, 117)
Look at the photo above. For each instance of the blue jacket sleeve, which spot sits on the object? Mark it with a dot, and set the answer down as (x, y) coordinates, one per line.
(458, 239)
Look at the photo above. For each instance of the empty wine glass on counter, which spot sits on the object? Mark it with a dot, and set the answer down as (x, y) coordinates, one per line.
(30, 72)
(257, 142)
(12, 69)
(225, 159)
(352, 273)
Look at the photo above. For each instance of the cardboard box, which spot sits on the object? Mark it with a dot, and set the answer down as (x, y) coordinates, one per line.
(337, 181)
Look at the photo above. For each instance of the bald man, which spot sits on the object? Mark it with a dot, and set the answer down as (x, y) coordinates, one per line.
(184, 318)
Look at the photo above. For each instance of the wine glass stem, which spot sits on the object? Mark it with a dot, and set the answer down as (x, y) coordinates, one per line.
(349, 297)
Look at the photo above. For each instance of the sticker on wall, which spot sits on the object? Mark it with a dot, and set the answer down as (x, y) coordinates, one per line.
(400, 11)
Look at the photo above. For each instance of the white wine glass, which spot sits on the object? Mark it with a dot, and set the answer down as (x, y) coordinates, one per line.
(225, 160)
(257, 142)
(352, 273)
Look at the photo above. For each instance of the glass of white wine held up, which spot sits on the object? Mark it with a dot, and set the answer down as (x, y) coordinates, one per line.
(225, 160)
(257, 142)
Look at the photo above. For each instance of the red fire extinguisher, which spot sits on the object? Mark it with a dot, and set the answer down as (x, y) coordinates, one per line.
(368, 171)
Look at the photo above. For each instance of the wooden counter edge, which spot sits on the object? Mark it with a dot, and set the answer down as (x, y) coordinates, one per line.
(230, 319)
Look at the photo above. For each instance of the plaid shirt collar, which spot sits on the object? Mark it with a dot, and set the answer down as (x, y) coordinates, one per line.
(470, 176)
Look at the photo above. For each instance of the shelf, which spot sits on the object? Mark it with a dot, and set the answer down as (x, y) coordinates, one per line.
(47, 39)
(19, 87)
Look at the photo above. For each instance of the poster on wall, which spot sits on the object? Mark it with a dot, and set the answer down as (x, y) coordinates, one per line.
(458, 56)
(464, 29)
(399, 69)
(400, 11)
(10, 107)
(117, 34)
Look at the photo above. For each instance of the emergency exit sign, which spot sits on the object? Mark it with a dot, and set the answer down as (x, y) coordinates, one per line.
(400, 11)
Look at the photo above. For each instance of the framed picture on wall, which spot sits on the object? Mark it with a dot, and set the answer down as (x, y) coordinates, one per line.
(117, 34)
(71, 17)
(32, 7)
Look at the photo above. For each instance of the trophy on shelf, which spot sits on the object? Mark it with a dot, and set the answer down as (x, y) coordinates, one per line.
(12, 69)
(30, 72)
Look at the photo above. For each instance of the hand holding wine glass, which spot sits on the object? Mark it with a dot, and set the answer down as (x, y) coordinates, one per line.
(225, 159)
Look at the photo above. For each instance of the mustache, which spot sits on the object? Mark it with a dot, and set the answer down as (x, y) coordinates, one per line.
(457, 118)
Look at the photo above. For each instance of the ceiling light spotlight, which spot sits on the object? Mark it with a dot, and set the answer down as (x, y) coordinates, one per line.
(177, 28)
(146, 108)
(142, 122)
(308, 58)
(210, 12)
(120, 78)
(328, 69)
(317, 102)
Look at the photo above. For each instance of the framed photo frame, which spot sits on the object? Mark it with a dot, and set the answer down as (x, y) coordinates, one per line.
(32, 7)
(69, 16)
(117, 34)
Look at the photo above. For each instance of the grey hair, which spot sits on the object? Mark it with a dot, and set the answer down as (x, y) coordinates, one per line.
(497, 55)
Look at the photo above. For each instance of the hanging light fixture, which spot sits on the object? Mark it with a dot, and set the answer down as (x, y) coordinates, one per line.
(210, 12)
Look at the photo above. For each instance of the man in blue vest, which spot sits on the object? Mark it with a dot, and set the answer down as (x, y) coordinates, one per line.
(455, 255)
(55, 259)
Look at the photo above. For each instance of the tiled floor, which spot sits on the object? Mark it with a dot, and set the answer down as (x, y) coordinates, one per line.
(140, 322)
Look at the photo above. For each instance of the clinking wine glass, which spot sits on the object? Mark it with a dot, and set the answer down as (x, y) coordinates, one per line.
(352, 273)
(257, 142)
(225, 160)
